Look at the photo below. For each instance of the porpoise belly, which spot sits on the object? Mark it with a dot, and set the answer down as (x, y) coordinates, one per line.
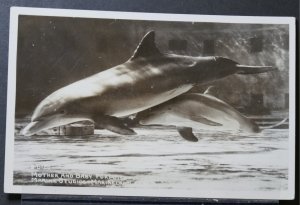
(131, 105)
(179, 121)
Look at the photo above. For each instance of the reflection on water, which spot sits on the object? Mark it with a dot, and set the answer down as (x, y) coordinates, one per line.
(158, 157)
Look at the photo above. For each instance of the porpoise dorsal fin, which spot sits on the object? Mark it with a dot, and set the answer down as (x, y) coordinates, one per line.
(146, 47)
(209, 90)
(187, 134)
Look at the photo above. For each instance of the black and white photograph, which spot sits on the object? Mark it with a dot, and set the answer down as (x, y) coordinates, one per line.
(144, 104)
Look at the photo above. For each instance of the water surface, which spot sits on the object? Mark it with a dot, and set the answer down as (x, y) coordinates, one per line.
(157, 157)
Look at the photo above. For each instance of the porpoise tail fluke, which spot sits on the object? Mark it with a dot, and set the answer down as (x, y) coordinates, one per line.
(275, 125)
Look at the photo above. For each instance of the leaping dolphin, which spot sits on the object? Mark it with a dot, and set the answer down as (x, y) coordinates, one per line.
(198, 111)
(147, 79)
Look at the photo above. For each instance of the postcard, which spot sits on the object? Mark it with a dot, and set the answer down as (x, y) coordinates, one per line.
(147, 104)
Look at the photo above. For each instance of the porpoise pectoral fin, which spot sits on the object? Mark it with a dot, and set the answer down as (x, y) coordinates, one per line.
(187, 134)
(113, 124)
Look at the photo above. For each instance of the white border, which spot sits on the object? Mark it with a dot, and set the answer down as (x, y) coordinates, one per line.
(11, 90)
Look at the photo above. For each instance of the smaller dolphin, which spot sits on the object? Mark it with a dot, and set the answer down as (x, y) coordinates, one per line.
(198, 111)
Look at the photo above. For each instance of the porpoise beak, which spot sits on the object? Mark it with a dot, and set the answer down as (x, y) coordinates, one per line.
(50, 121)
(42, 123)
(30, 129)
(246, 69)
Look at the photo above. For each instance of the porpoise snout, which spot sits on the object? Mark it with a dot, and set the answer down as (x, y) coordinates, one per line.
(29, 129)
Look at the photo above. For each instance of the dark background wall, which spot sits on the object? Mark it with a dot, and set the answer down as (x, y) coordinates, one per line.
(216, 7)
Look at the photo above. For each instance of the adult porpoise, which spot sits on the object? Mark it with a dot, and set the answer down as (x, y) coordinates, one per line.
(199, 112)
(147, 79)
